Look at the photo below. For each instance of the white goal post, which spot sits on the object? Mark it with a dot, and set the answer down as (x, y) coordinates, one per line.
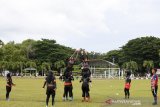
(110, 73)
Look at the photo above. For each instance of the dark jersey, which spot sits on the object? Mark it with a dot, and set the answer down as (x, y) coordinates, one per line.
(128, 80)
(85, 81)
(51, 84)
(84, 64)
(86, 76)
(86, 73)
(9, 82)
(83, 57)
(68, 77)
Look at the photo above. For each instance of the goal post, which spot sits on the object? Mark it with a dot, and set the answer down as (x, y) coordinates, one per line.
(110, 73)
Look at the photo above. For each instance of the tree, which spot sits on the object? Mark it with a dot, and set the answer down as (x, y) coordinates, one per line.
(10, 66)
(1, 54)
(131, 65)
(48, 51)
(1, 43)
(18, 66)
(45, 67)
(31, 64)
(37, 52)
(9, 49)
(148, 65)
(27, 48)
(59, 64)
(141, 49)
(94, 55)
(116, 56)
(3, 65)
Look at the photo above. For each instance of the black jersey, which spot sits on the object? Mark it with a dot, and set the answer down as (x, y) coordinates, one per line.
(86, 76)
(128, 80)
(86, 73)
(9, 82)
(51, 84)
(68, 77)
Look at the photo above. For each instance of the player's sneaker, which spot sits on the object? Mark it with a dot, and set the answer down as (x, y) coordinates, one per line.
(64, 99)
(71, 99)
(7, 99)
(155, 103)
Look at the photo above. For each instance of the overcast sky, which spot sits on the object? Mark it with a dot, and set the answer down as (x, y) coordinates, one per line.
(95, 25)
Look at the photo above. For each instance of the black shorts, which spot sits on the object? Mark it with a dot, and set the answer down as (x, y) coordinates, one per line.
(8, 89)
(85, 86)
(50, 91)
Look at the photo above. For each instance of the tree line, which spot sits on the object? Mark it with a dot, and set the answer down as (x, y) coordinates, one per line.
(138, 55)
(44, 55)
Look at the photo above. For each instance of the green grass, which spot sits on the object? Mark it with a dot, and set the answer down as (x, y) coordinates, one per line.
(29, 93)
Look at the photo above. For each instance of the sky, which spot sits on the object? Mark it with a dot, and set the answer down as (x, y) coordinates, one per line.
(95, 25)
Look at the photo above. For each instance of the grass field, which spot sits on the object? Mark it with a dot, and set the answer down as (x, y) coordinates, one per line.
(29, 93)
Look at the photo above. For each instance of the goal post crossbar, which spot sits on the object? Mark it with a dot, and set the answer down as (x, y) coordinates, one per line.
(106, 72)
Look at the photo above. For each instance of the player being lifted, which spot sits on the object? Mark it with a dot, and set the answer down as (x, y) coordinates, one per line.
(83, 55)
(86, 75)
(68, 77)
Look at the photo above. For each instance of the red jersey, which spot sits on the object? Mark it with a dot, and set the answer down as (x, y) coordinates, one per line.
(127, 83)
(154, 80)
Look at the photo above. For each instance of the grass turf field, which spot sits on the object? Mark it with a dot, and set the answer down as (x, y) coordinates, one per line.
(29, 93)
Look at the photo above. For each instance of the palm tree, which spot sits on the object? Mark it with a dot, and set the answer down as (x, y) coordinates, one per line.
(148, 65)
(59, 65)
(31, 64)
(131, 65)
(45, 67)
(19, 66)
